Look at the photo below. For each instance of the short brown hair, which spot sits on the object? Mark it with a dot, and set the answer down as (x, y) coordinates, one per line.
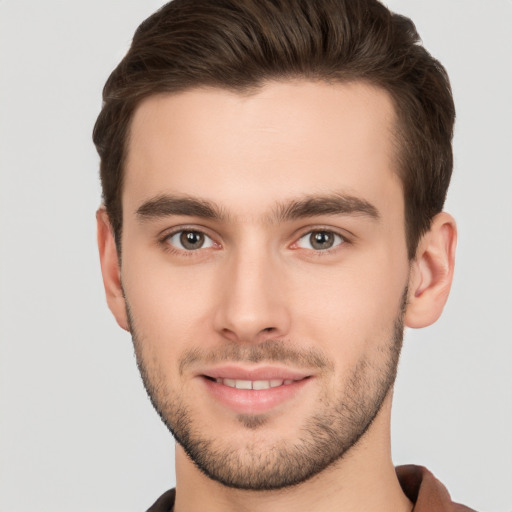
(240, 44)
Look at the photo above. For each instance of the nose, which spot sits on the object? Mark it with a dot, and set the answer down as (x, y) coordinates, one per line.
(253, 305)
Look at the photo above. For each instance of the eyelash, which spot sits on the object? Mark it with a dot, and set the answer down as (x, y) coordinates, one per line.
(323, 252)
(164, 241)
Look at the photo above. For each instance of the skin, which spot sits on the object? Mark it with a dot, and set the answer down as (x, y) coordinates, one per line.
(258, 281)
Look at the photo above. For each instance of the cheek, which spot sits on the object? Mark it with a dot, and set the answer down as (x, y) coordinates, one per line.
(351, 308)
(171, 306)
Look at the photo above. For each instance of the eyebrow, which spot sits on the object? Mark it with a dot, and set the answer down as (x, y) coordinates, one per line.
(166, 206)
(331, 204)
(309, 206)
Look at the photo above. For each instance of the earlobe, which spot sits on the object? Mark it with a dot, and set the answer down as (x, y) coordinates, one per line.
(432, 272)
(110, 269)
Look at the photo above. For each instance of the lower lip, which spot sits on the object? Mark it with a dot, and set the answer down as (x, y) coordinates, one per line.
(246, 401)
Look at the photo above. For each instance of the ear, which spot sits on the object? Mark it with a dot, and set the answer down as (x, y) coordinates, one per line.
(432, 272)
(110, 269)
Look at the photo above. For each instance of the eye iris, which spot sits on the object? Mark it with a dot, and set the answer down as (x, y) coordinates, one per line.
(191, 239)
(321, 240)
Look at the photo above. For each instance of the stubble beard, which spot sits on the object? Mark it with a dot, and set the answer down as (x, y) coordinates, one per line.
(336, 427)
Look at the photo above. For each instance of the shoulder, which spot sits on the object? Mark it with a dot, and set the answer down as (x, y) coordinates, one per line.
(165, 503)
(426, 491)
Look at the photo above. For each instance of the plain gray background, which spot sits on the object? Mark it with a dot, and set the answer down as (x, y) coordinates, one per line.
(76, 429)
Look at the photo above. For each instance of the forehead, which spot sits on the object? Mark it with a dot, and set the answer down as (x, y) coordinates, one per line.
(247, 151)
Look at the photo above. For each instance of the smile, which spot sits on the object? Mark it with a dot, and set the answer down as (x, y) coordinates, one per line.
(254, 384)
(254, 391)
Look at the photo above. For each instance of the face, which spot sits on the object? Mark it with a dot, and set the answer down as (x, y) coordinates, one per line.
(264, 268)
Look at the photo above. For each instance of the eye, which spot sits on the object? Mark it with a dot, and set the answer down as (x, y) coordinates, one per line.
(320, 240)
(189, 240)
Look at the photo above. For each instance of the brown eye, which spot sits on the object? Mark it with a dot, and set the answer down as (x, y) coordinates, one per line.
(190, 240)
(320, 240)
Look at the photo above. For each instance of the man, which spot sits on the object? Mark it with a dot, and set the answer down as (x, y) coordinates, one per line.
(273, 175)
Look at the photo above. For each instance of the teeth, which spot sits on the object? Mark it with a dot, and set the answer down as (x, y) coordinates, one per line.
(254, 384)
(260, 384)
(243, 384)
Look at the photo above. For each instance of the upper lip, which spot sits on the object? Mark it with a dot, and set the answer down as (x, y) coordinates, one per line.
(253, 374)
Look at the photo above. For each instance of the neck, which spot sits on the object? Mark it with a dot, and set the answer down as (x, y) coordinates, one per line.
(363, 480)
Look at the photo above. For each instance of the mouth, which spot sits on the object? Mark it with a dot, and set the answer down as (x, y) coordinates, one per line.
(253, 391)
(253, 384)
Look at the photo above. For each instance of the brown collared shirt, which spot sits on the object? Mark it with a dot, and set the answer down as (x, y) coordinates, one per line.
(426, 492)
